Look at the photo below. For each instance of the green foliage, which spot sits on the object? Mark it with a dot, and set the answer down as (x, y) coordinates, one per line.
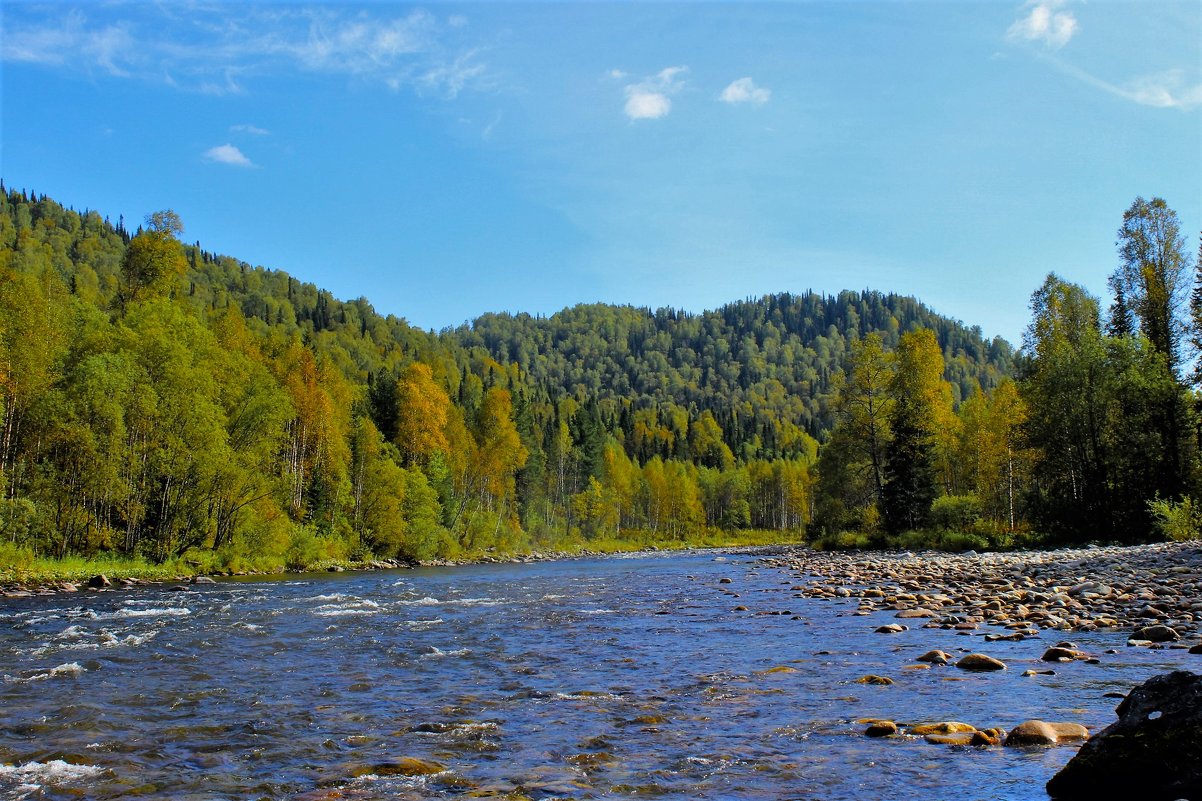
(15, 559)
(159, 402)
(1179, 521)
(955, 512)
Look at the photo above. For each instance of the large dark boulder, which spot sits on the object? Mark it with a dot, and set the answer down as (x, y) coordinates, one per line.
(1153, 752)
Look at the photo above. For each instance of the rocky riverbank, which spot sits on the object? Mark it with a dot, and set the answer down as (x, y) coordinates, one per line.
(1153, 591)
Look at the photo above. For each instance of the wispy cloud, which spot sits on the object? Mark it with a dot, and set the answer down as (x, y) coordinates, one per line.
(1044, 22)
(1168, 89)
(744, 90)
(215, 48)
(227, 154)
(254, 130)
(649, 99)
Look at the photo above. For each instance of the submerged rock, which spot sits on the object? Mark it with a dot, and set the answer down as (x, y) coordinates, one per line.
(980, 662)
(408, 766)
(1152, 752)
(1039, 732)
(871, 679)
(943, 727)
(881, 728)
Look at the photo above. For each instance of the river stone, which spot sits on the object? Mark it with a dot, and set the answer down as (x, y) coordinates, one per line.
(1153, 751)
(98, 582)
(871, 679)
(202, 580)
(1058, 654)
(1039, 732)
(959, 738)
(882, 728)
(891, 628)
(980, 662)
(936, 657)
(943, 727)
(1156, 633)
(1197, 649)
(988, 737)
(408, 766)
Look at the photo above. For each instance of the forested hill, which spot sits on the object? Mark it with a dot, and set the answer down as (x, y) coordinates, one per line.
(157, 399)
(754, 364)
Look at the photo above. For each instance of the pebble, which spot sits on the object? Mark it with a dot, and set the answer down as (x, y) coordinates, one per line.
(1151, 591)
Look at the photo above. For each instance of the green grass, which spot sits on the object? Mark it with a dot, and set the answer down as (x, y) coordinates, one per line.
(41, 570)
(20, 566)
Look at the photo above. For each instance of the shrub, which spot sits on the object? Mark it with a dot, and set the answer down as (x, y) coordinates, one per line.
(955, 512)
(14, 557)
(1178, 521)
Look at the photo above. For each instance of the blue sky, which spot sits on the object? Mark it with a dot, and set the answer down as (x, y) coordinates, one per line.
(445, 160)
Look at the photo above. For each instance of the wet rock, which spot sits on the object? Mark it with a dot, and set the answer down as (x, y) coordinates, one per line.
(1039, 732)
(202, 580)
(1156, 633)
(873, 679)
(882, 728)
(99, 582)
(1197, 649)
(936, 657)
(960, 738)
(980, 662)
(724, 581)
(1058, 654)
(408, 766)
(1153, 751)
(943, 727)
(988, 737)
(891, 628)
(1029, 673)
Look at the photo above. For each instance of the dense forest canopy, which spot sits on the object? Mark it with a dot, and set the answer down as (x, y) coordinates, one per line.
(161, 400)
(758, 366)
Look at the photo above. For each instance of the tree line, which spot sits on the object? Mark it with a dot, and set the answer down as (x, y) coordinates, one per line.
(160, 400)
(1096, 437)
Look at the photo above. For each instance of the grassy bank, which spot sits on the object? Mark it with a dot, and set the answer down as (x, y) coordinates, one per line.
(19, 566)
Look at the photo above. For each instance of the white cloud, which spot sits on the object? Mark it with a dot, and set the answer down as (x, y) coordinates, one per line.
(649, 98)
(642, 105)
(227, 154)
(450, 79)
(210, 48)
(1165, 90)
(617, 74)
(1168, 89)
(744, 90)
(249, 129)
(1046, 23)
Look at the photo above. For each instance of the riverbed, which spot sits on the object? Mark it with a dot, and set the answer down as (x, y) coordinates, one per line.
(623, 677)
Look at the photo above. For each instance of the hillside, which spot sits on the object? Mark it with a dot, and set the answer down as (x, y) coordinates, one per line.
(159, 400)
(757, 366)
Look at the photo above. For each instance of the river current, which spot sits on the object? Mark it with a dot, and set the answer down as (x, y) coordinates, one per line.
(628, 677)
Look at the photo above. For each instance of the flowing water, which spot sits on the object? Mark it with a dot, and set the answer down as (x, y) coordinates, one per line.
(612, 678)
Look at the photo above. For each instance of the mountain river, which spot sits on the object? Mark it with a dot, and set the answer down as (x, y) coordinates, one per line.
(625, 677)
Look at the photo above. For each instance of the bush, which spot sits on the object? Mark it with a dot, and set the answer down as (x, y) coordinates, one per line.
(1178, 521)
(14, 557)
(955, 512)
(843, 541)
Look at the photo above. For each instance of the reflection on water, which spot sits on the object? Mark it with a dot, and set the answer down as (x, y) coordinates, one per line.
(615, 678)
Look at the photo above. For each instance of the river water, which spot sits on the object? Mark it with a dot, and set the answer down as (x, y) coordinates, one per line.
(612, 678)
